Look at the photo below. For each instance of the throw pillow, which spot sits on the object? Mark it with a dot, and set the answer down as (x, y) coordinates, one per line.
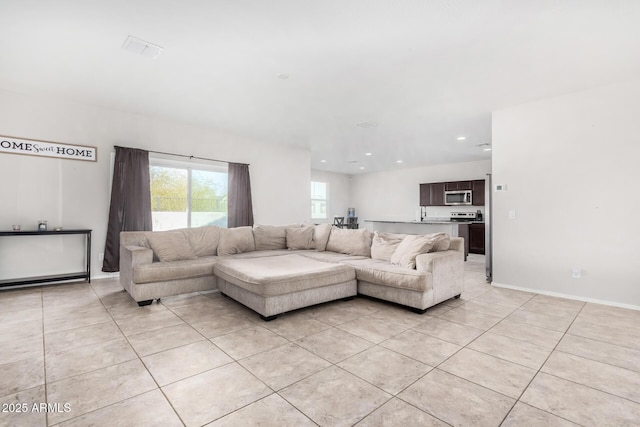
(236, 241)
(443, 240)
(321, 234)
(351, 242)
(269, 237)
(170, 246)
(384, 245)
(300, 238)
(410, 247)
(203, 240)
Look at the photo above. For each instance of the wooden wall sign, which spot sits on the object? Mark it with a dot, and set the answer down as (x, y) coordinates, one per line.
(34, 147)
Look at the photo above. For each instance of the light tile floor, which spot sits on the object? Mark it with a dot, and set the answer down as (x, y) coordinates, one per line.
(493, 357)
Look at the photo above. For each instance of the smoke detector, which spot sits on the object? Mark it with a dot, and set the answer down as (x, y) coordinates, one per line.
(141, 47)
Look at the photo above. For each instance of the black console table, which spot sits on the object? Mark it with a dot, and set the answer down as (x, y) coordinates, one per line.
(83, 275)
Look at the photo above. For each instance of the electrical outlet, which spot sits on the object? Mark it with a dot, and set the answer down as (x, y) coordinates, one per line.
(576, 272)
(512, 214)
(101, 256)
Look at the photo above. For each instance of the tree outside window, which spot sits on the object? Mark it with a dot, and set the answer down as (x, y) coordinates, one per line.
(183, 197)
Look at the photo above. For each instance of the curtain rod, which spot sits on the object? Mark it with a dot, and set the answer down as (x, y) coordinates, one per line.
(181, 155)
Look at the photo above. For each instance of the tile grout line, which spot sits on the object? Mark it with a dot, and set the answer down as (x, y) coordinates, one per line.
(540, 369)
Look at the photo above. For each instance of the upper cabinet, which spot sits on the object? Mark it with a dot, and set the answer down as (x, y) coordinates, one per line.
(437, 194)
(477, 197)
(458, 185)
(432, 194)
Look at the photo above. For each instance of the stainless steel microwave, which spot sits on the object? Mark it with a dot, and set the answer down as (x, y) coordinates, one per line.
(457, 197)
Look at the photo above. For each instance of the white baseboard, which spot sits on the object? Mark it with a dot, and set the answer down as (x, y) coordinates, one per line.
(103, 275)
(567, 296)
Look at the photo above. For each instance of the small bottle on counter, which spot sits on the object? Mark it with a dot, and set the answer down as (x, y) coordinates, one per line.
(42, 225)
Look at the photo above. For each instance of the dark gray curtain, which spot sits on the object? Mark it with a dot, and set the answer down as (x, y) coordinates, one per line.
(239, 196)
(130, 201)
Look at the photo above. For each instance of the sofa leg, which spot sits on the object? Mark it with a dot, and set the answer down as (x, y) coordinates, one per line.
(418, 310)
(457, 296)
(268, 318)
(143, 303)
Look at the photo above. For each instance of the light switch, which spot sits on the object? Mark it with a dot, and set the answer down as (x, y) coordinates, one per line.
(512, 214)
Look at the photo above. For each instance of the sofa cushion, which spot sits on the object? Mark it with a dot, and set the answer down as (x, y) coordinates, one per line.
(300, 238)
(385, 273)
(385, 244)
(174, 270)
(170, 246)
(203, 240)
(443, 240)
(321, 234)
(270, 276)
(410, 247)
(257, 254)
(236, 241)
(327, 256)
(269, 236)
(352, 242)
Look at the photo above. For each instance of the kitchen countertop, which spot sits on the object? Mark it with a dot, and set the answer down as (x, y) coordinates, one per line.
(429, 221)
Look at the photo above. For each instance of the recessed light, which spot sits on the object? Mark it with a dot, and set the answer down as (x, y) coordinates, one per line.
(361, 167)
(283, 76)
(461, 138)
(368, 154)
(323, 161)
(398, 161)
(487, 149)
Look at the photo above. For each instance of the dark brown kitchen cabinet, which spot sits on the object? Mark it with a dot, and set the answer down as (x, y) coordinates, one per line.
(432, 194)
(478, 192)
(437, 194)
(476, 238)
(425, 194)
(458, 185)
(463, 231)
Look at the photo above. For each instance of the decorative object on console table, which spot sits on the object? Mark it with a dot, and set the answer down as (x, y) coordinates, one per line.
(352, 222)
(42, 225)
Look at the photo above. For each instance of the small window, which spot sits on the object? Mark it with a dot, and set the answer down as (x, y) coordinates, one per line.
(187, 195)
(318, 200)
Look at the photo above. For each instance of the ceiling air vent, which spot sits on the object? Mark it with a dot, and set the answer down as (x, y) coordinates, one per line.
(367, 124)
(141, 47)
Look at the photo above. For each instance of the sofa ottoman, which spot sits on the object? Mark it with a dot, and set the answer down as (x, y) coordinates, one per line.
(274, 285)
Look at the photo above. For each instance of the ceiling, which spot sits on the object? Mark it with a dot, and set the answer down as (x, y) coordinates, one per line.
(417, 74)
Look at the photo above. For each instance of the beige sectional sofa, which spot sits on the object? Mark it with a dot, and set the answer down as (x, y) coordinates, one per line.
(274, 269)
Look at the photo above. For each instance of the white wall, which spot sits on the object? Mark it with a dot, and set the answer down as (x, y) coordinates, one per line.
(75, 194)
(571, 168)
(395, 195)
(338, 185)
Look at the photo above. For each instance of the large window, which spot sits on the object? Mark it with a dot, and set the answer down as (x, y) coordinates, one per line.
(318, 200)
(187, 195)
